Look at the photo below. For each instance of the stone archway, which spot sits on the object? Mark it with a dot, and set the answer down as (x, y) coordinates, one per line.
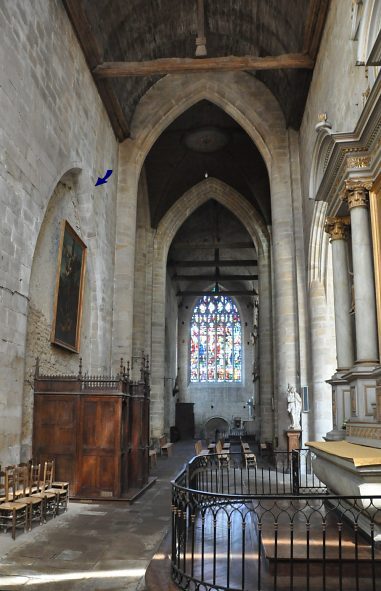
(214, 424)
(252, 105)
(167, 229)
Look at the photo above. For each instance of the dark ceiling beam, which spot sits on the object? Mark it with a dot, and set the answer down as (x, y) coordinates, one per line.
(314, 26)
(235, 263)
(176, 65)
(94, 57)
(242, 292)
(215, 277)
(208, 245)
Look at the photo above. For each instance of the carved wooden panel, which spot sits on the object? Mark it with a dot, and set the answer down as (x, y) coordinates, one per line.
(99, 439)
(100, 451)
(55, 434)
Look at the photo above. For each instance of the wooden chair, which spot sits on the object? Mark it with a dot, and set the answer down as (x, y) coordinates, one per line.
(250, 460)
(60, 489)
(165, 447)
(248, 456)
(39, 490)
(222, 455)
(12, 513)
(199, 450)
(34, 504)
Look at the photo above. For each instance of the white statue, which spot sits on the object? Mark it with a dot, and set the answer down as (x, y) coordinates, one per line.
(250, 406)
(294, 407)
(254, 333)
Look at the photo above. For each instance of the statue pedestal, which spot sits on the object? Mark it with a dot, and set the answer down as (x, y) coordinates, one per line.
(293, 439)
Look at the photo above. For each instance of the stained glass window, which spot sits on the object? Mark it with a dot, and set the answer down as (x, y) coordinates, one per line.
(215, 349)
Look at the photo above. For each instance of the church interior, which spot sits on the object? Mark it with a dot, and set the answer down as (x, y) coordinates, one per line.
(190, 295)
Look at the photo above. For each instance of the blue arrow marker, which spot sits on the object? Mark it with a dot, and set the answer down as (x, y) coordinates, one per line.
(103, 180)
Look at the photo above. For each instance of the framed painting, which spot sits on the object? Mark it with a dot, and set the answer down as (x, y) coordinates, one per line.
(67, 310)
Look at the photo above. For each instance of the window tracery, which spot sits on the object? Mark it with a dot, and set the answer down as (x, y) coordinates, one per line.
(215, 341)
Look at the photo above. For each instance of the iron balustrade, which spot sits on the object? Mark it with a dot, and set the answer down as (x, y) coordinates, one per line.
(270, 528)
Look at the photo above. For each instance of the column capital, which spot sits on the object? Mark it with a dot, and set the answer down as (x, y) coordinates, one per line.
(356, 192)
(337, 227)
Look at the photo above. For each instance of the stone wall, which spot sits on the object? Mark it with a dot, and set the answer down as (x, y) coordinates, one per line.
(337, 89)
(53, 123)
(171, 355)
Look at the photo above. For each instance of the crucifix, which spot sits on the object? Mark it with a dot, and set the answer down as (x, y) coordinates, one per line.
(200, 39)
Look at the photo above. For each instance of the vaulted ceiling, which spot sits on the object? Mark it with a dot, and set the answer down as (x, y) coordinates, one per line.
(205, 141)
(126, 31)
(130, 44)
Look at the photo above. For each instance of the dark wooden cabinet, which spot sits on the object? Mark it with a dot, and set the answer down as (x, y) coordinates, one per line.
(185, 419)
(96, 429)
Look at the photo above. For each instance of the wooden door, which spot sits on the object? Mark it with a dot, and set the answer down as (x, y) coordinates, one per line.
(55, 434)
(100, 446)
(185, 419)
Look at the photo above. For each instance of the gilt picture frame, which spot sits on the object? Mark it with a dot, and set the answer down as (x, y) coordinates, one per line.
(68, 297)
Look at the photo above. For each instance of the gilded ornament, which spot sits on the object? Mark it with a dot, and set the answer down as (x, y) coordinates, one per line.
(356, 192)
(358, 161)
(337, 227)
(364, 432)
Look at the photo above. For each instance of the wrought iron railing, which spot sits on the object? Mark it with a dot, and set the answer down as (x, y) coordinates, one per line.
(249, 529)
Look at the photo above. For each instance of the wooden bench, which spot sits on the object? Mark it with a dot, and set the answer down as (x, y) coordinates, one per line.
(165, 447)
(152, 457)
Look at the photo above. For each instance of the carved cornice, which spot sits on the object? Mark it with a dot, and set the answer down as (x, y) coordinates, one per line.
(356, 192)
(360, 150)
(337, 227)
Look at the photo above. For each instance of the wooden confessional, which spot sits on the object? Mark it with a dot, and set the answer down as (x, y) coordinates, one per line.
(97, 430)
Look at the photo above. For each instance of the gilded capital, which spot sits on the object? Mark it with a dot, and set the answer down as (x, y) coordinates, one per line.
(356, 192)
(337, 227)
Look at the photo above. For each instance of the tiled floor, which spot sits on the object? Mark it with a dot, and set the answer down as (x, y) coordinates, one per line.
(97, 546)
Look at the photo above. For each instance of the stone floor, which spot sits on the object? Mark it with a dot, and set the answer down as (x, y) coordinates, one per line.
(94, 546)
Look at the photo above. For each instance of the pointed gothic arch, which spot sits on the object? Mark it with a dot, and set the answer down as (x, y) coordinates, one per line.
(166, 231)
(252, 105)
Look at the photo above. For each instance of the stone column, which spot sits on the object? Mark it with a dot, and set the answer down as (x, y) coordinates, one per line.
(356, 194)
(337, 228)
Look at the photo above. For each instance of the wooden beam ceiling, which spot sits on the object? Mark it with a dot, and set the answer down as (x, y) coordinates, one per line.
(314, 26)
(94, 57)
(189, 65)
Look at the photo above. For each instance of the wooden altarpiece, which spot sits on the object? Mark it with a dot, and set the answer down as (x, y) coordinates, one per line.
(97, 430)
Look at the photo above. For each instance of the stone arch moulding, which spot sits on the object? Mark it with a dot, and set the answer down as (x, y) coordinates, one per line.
(245, 99)
(211, 188)
(321, 152)
(253, 106)
(68, 173)
(75, 177)
(240, 95)
(167, 229)
(216, 418)
(317, 252)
